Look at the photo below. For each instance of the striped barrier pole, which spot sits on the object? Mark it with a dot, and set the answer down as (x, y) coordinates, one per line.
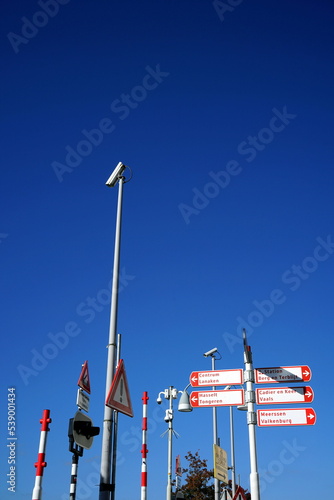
(144, 449)
(40, 464)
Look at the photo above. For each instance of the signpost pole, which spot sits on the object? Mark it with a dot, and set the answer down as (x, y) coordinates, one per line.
(74, 474)
(232, 449)
(215, 431)
(251, 419)
(77, 452)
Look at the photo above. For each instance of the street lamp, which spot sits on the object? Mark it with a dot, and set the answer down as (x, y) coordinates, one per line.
(212, 353)
(184, 405)
(107, 490)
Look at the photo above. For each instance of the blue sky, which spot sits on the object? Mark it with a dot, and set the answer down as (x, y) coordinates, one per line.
(224, 113)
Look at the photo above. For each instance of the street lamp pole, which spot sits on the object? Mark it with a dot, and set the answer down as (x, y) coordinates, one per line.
(108, 426)
(214, 414)
(232, 468)
(184, 406)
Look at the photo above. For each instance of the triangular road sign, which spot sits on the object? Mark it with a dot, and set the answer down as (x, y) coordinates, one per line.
(119, 397)
(84, 381)
(239, 494)
(226, 495)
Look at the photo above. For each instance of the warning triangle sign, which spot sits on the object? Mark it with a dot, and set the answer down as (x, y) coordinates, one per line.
(239, 494)
(119, 397)
(226, 495)
(84, 381)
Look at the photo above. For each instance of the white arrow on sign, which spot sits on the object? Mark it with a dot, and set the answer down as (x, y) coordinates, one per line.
(233, 397)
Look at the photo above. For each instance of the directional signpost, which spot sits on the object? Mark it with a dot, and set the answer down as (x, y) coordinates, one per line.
(286, 416)
(233, 397)
(219, 377)
(283, 374)
(282, 395)
(220, 467)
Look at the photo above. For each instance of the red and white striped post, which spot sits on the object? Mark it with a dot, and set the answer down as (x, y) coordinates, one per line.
(144, 449)
(40, 464)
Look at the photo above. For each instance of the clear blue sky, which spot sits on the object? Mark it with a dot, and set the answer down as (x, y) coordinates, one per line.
(225, 115)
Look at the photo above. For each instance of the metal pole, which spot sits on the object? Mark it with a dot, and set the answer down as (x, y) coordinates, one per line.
(170, 446)
(251, 420)
(105, 486)
(232, 449)
(74, 474)
(77, 452)
(215, 432)
(115, 427)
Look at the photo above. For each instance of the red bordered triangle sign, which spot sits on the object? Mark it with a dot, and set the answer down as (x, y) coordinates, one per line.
(84, 381)
(119, 397)
(239, 494)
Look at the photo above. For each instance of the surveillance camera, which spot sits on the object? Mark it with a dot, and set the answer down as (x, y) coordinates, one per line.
(168, 415)
(209, 353)
(159, 400)
(112, 181)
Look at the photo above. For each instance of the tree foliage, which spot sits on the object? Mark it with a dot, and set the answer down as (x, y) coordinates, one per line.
(199, 479)
(198, 484)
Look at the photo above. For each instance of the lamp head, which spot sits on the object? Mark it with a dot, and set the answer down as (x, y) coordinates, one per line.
(184, 403)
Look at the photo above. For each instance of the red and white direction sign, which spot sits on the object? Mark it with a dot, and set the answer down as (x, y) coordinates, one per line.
(289, 416)
(283, 374)
(282, 395)
(219, 377)
(203, 399)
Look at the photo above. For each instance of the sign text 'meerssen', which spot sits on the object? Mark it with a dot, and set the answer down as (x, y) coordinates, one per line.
(289, 416)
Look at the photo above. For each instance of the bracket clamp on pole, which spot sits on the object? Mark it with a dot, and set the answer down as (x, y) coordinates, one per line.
(249, 376)
(251, 418)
